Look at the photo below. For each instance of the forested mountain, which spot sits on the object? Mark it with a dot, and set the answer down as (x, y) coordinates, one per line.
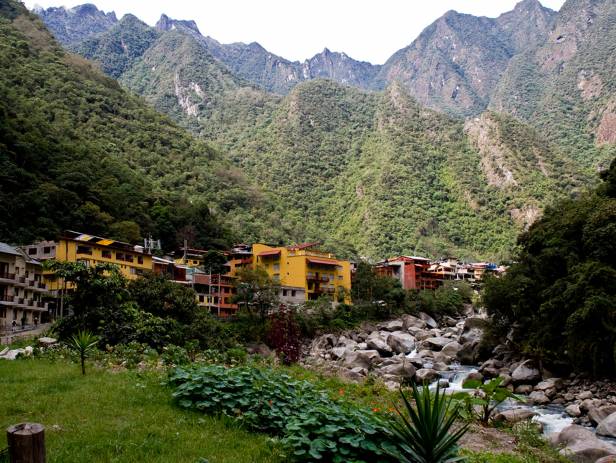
(77, 151)
(566, 86)
(374, 172)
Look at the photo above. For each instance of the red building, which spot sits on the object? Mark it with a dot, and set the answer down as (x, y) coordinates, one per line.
(412, 272)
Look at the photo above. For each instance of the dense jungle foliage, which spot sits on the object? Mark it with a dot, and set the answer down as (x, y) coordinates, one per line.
(78, 152)
(558, 302)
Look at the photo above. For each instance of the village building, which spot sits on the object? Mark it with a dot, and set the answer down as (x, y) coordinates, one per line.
(22, 289)
(91, 250)
(304, 273)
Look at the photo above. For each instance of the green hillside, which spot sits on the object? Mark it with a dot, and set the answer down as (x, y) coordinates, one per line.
(77, 151)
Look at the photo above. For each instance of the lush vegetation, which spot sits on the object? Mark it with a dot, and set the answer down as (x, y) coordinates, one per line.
(370, 174)
(125, 416)
(78, 152)
(151, 310)
(315, 426)
(558, 301)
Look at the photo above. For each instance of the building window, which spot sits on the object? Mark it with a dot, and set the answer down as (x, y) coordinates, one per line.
(133, 271)
(140, 259)
(106, 253)
(32, 251)
(293, 292)
(128, 258)
(2, 313)
(276, 277)
(284, 293)
(84, 250)
(47, 250)
(119, 256)
(340, 277)
(276, 267)
(201, 298)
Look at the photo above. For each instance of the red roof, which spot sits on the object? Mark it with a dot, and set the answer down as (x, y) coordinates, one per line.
(322, 262)
(275, 252)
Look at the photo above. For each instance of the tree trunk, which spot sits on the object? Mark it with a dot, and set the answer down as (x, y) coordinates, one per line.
(83, 365)
(26, 443)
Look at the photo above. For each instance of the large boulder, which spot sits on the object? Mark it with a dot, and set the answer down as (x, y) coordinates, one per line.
(401, 342)
(393, 325)
(550, 383)
(451, 349)
(322, 344)
(428, 319)
(473, 330)
(515, 415)
(598, 414)
(360, 358)
(526, 372)
(581, 445)
(573, 410)
(437, 342)
(401, 368)
(413, 322)
(538, 398)
(378, 341)
(607, 426)
(426, 375)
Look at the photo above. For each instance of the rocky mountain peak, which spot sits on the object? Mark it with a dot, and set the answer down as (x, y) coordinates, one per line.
(165, 23)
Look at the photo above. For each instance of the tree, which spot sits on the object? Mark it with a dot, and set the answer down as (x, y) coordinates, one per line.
(256, 291)
(558, 301)
(214, 262)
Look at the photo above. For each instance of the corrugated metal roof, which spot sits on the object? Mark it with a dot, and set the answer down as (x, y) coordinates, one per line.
(6, 249)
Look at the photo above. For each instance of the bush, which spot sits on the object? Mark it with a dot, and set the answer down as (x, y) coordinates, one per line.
(311, 424)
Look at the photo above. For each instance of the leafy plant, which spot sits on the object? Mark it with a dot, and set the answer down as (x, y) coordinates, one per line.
(425, 433)
(284, 335)
(486, 398)
(83, 343)
(307, 421)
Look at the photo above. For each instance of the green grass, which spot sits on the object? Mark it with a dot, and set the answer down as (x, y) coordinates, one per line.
(116, 417)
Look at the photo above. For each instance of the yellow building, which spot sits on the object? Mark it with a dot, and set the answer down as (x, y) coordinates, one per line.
(304, 273)
(79, 247)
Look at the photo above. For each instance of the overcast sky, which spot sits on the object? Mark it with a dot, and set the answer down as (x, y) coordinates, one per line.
(369, 30)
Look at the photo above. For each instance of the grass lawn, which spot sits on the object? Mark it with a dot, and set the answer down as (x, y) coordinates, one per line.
(116, 417)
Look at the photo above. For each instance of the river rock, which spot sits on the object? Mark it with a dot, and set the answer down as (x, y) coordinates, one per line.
(607, 426)
(422, 335)
(608, 459)
(376, 341)
(526, 373)
(581, 445)
(451, 349)
(360, 358)
(428, 319)
(475, 375)
(550, 383)
(410, 321)
(584, 395)
(401, 342)
(598, 414)
(524, 389)
(394, 325)
(401, 368)
(539, 398)
(573, 410)
(515, 415)
(437, 343)
(338, 352)
(425, 375)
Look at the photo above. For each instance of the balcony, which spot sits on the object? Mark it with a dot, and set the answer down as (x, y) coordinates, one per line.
(6, 277)
(20, 281)
(6, 299)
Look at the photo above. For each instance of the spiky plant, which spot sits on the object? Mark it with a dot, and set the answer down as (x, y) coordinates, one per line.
(83, 343)
(425, 433)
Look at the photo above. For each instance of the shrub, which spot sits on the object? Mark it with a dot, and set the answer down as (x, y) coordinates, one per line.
(427, 435)
(284, 335)
(311, 424)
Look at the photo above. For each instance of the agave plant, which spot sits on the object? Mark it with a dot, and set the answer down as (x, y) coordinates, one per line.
(425, 433)
(84, 342)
